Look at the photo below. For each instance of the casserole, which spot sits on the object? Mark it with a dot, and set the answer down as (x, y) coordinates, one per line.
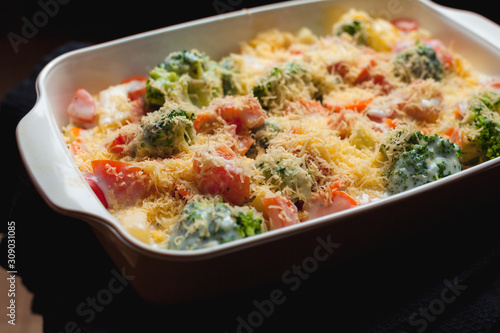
(168, 276)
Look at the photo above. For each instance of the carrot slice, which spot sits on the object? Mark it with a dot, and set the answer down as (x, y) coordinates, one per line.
(355, 106)
(455, 135)
(182, 191)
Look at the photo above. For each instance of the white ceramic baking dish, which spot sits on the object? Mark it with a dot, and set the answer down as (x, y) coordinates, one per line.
(167, 276)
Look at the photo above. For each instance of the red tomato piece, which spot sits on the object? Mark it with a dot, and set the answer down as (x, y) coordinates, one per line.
(135, 78)
(136, 87)
(120, 142)
(309, 106)
(244, 111)
(94, 185)
(122, 183)
(205, 122)
(341, 68)
(405, 25)
(281, 211)
(226, 152)
(82, 108)
(324, 204)
(136, 94)
(116, 146)
(219, 174)
(243, 143)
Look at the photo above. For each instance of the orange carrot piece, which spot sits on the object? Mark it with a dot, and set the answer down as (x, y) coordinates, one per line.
(134, 78)
(355, 106)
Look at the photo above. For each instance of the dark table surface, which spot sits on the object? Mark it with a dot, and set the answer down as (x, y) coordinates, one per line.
(443, 279)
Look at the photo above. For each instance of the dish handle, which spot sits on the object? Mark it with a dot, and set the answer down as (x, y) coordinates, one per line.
(474, 22)
(52, 171)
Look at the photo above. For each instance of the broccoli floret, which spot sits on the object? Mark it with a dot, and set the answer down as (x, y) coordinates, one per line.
(418, 62)
(481, 128)
(268, 131)
(192, 62)
(161, 82)
(355, 29)
(186, 76)
(248, 224)
(285, 83)
(229, 76)
(287, 173)
(206, 223)
(164, 132)
(416, 159)
(263, 134)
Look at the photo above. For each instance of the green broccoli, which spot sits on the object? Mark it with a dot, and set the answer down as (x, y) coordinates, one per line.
(416, 159)
(284, 83)
(481, 128)
(263, 134)
(164, 132)
(185, 76)
(205, 223)
(287, 173)
(355, 29)
(229, 76)
(418, 62)
(161, 83)
(192, 62)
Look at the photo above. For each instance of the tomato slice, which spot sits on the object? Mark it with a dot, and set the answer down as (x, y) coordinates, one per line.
(118, 145)
(226, 181)
(323, 204)
(222, 178)
(135, 78)
(225, 152)
(93, 183)
(281, 211)
(243, 144)
(136, 87)
(205, 122)
(405, 25)
(137, 94)
(309, 106)
(122, 183)
(82, 107)
(244, 111)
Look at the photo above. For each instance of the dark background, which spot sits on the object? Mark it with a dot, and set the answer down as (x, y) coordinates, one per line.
(63, 263)
(99, 21)
(90, 21)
